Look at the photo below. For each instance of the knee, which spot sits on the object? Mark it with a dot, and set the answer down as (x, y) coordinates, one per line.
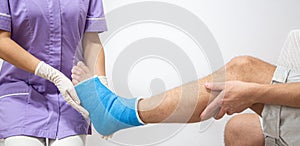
(241, 62)
(241, 67)
(243, 129)
(232, 130)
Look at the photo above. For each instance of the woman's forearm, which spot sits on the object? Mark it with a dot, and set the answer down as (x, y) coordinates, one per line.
(279, 94)
(94, 53)
(11, 52)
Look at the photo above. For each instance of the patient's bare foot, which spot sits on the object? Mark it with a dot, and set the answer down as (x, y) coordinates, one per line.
(80, 72)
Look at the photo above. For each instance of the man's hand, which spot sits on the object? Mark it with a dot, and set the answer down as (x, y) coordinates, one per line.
(234, 97)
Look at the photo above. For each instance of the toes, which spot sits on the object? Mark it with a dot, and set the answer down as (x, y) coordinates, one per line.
(107, 137)
(79, 78)
(75, 77)
(83, 67)
(74, 71)
(80, 63)
(75, 82)
(78, 71)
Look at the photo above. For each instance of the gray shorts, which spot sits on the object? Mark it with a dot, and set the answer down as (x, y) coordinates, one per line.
(281, 124)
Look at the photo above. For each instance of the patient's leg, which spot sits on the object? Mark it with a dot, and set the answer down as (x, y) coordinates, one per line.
(186, 103)
(183, 104)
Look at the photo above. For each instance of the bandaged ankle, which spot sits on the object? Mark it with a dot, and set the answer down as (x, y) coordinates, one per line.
(108, 112)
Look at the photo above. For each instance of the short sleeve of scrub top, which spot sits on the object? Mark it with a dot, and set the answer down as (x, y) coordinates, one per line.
(51, 30)
(95, 21)
(5, 18)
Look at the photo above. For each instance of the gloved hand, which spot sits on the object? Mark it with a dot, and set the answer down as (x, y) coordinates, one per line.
(63, 84)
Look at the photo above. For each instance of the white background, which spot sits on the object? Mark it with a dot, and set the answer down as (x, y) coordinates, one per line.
(257, 28)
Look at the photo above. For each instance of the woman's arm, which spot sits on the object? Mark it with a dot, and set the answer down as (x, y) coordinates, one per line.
(94, 53)
(11, 52)
(94, 58)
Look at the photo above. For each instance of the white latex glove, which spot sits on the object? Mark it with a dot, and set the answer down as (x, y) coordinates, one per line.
(63, 84)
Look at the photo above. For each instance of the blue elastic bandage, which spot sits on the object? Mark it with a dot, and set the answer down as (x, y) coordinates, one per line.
(108, 112)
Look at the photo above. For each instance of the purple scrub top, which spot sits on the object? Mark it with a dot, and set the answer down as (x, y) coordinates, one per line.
(51, 30)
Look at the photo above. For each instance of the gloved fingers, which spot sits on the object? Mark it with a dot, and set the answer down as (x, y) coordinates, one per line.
(73, 95)
(75, 102)
(79, 108)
